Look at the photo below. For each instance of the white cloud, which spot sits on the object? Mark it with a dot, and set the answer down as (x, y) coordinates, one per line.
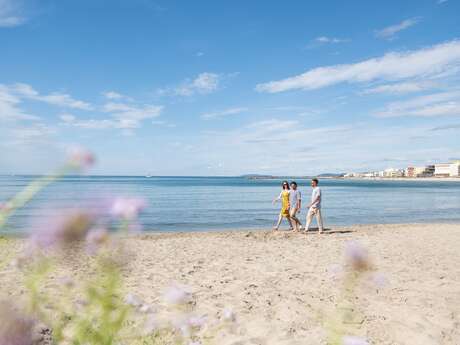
(441, 1)
(11, 13)
(438, 104)
(427, 62)
(227, 112)
(204, 83)
(125, 111)
(67, 118)
(325, 39)
(123, 116)
(390, 31)
(400, 88)
(163, 123)
(32, 133)
(55, 98)
(113, 95)
(9, 107)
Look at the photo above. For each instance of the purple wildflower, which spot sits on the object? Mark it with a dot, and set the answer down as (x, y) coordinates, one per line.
(67, 228)
(151, 324)
(352, 340)
(357, 256)
(197, 321)
(228, 315)
(95, 239)
(15, 328)
(177, 295)
(127, 208)
(133, 300)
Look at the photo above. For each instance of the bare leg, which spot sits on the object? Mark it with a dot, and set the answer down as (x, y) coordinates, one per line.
(276, 227)
(297, 223)
(290, 223)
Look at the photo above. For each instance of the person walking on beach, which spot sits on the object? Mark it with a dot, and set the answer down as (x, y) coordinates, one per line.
(314, 208)
(284, 197)
(295, 201)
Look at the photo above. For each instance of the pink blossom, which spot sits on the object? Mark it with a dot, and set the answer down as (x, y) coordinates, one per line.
(80, 158)
(127, 208)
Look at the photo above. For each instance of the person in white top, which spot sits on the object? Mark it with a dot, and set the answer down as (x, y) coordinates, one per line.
(295, 201)
(314, 208)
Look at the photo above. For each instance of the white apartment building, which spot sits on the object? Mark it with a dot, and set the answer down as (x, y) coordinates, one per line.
(447, 169)
(455, 169)
(393, 172)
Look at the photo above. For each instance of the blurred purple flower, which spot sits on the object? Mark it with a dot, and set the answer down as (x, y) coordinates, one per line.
(133, 300)
(71, 226)
(151, 324)
(80, 158)
(357, 256)
(95, 239)
(352, 340)
(15, 328)
(197, 321)
(177, 295)
(228, 315)
(145, 308)
(380, 280)
(127, 208)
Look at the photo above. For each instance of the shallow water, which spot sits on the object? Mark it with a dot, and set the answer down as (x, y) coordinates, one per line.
(216, 203)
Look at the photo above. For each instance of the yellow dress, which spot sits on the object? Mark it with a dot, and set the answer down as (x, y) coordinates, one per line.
(285, 203)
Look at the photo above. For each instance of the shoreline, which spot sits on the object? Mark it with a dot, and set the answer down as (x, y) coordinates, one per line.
(313, 230)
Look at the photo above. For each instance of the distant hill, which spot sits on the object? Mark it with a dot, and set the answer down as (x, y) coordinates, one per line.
(331, 175)
(273, 177)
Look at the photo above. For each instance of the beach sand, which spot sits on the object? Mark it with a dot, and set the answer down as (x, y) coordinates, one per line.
(281, 285)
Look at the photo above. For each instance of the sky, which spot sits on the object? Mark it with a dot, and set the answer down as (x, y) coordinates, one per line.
(229, 87)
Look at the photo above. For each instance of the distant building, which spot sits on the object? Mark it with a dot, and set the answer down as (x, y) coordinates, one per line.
(410, 172)
(455, 168)
(451, 169)
(393, 172)
(442, 169)
(425, 171)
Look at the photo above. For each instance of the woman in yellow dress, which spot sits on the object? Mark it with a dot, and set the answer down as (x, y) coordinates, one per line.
(284, 213)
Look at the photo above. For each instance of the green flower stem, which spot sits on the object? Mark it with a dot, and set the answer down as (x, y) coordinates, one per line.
(29, 192)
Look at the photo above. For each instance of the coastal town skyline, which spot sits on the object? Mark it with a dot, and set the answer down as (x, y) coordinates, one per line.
(207, 89)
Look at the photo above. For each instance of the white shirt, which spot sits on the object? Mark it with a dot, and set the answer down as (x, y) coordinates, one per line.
(314, 194)
(294, 197)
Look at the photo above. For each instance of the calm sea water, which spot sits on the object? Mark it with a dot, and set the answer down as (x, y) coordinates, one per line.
(214, 203)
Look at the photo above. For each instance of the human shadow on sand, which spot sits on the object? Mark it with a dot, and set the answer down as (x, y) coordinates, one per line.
(328, 231)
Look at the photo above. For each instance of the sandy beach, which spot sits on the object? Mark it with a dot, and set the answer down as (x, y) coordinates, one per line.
(281, 285)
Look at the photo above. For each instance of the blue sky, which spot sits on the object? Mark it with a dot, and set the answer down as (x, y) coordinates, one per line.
(228, 88)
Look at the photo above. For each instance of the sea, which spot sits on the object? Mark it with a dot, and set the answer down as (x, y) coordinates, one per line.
(184, 204)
